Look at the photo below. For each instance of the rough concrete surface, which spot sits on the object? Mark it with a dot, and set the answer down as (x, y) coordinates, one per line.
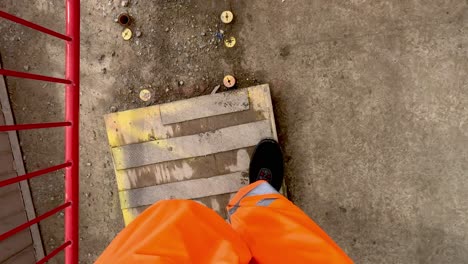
(370, 97)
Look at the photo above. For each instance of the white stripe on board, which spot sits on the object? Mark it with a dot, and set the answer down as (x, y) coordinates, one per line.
(190, 189)
(224, 139)
(204, 106)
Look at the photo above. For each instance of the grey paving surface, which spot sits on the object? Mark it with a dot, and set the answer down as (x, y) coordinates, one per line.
(370, 97)
(371, 100)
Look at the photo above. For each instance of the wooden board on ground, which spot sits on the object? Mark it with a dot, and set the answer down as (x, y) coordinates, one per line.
(17, 204)
(204, 106)
(192, 149)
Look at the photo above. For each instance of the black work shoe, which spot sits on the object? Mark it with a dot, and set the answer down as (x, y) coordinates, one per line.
(267, 163)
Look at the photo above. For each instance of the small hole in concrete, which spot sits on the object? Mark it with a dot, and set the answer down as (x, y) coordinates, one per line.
(124, 19)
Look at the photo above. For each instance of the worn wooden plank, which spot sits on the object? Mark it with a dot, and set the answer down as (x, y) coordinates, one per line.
(203, 106)
(224, 139)
(134, 126)
(13, 220)
(25, 256)
(6, 163)
(8, 175)
(211, 123)
(14, 244)
(186, 169)
(4, 142)
(19, 165)
(216, 202)
(9, 188)
(12, 203)
(191, 189)
(144, 124)
(166, 172)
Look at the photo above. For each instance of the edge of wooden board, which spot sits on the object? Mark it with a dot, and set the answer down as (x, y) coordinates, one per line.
(18, 157)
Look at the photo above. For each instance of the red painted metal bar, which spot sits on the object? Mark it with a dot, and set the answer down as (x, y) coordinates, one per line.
(33, 26)
(72, 112)
(34, 126)
(34, 221)
(55, 252)
(33, 174)
(33, 76)
(72, 72)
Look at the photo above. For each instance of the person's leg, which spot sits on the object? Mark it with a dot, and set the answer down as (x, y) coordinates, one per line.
(177, 231)
(276, 230)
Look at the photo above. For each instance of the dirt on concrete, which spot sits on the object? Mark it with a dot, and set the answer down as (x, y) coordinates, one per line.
(370, 98)
(176, 52)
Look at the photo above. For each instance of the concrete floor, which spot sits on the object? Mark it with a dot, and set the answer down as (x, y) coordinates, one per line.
(371, 102)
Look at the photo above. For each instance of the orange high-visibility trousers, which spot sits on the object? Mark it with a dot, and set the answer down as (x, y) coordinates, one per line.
(265, 227)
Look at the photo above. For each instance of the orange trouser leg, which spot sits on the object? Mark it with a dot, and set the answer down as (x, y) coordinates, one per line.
(177, 231)
(277, 231)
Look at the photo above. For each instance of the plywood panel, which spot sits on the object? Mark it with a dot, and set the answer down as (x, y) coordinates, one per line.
(6, 163)
(4, 142)
(7, 175)
(13, 220)
(26, 256)
(11, 163)
(203, 106)
(14, 244)
(8, 189)
(224, 139)
(12, 202)
(156, 159)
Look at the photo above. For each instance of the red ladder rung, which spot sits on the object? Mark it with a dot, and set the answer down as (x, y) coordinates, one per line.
(34, 174)
(33, 26)
(72, 107)
(34, 126)
(55, 252)
(34, 221)
(33, 76)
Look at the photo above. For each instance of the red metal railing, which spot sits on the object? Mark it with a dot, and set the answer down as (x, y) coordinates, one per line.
(71, 80)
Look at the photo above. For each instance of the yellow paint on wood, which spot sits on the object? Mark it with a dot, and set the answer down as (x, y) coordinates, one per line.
(136, 126)
(128, 215)
(144, 124)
